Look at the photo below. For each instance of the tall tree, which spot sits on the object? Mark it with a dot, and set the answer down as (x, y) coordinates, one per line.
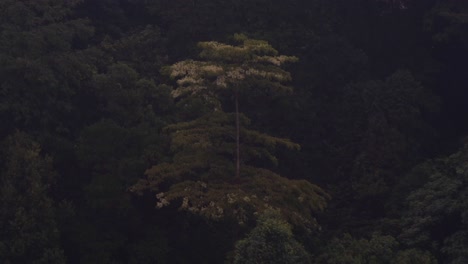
(201, 174)
(252, 64)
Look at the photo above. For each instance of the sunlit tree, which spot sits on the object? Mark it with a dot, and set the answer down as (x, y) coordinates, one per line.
(205, 174)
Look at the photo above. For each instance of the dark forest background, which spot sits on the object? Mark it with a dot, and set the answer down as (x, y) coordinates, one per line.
(379, 109)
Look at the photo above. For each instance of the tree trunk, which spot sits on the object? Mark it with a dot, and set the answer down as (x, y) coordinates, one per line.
(237, 137)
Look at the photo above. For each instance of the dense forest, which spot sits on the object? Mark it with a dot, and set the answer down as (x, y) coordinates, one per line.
(233, 131)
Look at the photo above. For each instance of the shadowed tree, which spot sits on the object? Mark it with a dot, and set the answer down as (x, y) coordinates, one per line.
(376, 249)
(28, 227)
(437, 218)
(271, 241)
(43, 69)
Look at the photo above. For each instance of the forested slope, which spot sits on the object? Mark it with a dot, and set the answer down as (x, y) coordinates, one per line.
(233, 131)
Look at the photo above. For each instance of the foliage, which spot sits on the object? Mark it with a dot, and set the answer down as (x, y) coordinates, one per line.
(28, 224)
(42, 69)
(379, 104)
(201, 174)
(129, 99)
(251, 64)
(377, 249)
(392, 114)
(379, 133)
(436, 217)
(271, 241)
(142, 50)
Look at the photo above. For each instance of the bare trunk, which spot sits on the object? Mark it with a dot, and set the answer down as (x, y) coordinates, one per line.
(237, 137)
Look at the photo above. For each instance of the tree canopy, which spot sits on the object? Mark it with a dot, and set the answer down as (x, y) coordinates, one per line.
(202, 176)
(213, 131)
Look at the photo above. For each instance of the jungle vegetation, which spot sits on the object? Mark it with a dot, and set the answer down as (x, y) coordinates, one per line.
(233, 131)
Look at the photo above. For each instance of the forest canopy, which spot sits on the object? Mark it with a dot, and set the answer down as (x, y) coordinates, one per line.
(239, 131)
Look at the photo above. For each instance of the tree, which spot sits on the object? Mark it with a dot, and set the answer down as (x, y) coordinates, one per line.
(436, 217)
(379, 132)
(271, 241)
(376, 249)
(111, 155)
(28, 225)
(252, 64)
(201, 174)
(43, 69)
(447, 24)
